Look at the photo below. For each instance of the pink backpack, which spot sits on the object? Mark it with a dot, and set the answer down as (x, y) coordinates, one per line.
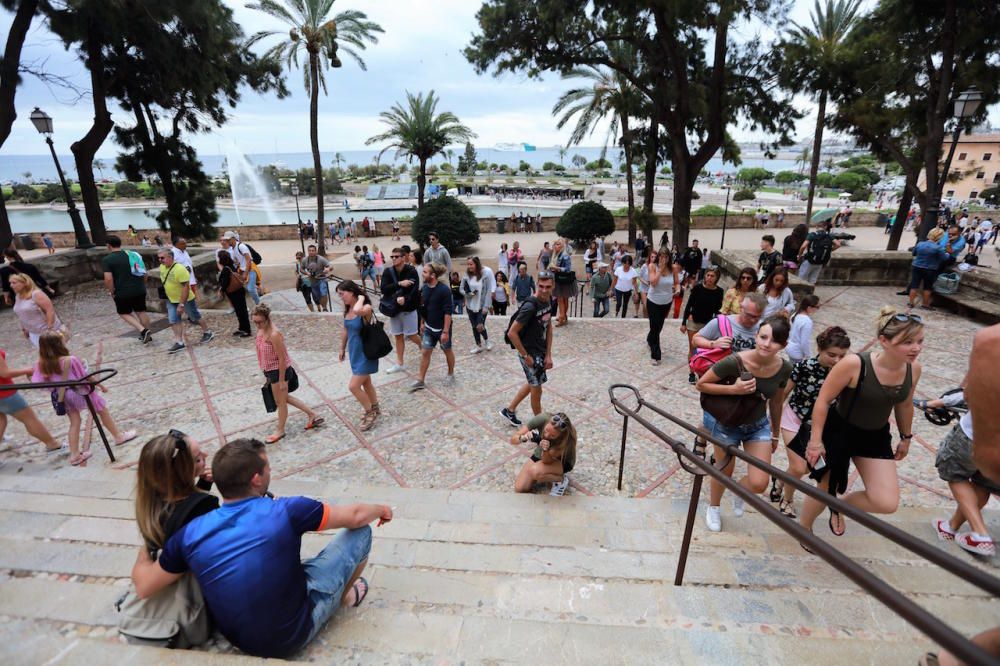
(703, 359)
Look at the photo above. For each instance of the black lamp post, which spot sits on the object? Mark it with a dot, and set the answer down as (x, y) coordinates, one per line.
(966, 105)
(725, 215)
(295, 193)
(43, 123)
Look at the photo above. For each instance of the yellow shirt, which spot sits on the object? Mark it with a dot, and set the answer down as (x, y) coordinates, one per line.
(179, 277)
(731, 302)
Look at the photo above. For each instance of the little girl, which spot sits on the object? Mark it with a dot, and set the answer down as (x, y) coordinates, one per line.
(55, 364)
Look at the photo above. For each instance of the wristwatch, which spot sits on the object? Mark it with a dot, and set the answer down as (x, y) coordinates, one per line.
(902, 436)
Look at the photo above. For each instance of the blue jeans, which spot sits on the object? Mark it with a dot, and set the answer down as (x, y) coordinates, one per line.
(758, 431)
(601, 303)
(320, 289)
(252, 287)
(327, 574)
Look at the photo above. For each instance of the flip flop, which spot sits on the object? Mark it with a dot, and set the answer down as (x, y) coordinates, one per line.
(315, 423)
(832, 528)
(271, 439)
(358, 593)
(84, 457)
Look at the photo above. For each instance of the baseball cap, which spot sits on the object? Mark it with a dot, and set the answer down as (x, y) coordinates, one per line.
(229, 235)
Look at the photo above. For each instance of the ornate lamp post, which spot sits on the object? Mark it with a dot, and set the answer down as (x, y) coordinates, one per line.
(43, 123)
(966, 105)
(725, 214)
(295, 193)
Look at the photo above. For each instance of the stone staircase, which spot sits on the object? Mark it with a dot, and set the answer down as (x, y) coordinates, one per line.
(481, 577)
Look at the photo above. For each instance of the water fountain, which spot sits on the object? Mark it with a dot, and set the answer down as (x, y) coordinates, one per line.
(246, 185)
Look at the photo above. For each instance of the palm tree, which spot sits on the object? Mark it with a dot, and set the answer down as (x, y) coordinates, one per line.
(99, 165)
(321, 37)
(337, 159)
(449, 155)
(811, 52)
(418, 131)
(803, 158)
(562, 155)
(609, 93)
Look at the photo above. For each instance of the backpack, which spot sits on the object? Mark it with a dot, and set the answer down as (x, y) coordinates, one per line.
(177, 616)
(703, 358)
(254, 254)
(534, 304)
(366, 260)
(971, 259)
(135, 263)
(820, 249)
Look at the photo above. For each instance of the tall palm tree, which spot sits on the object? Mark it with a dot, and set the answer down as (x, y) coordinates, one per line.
(313, 31)
(562, 155)
(803, 158)
(608, 93)
(449, 155)
(337, 159)
(419, 131)
(811, 52)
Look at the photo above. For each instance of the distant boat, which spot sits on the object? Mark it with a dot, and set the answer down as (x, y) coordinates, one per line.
(514, 147)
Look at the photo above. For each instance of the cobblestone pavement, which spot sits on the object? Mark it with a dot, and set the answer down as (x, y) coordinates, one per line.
(442, 437)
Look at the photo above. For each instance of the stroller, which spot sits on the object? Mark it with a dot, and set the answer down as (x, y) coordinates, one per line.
(954, 407)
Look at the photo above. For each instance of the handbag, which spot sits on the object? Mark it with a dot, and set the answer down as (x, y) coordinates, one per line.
(374, 340)
(732, 410)
(704, 358)
(267, 392)
(58, 395)
(565, 277)
(161, 290)
(234, 284)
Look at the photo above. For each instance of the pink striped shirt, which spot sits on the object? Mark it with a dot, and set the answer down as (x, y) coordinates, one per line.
(267, 358)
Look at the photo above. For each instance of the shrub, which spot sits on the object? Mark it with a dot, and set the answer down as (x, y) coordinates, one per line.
(600, 193)
(647, 221)
(744, 195)
(25, 193)
(52, 192)
(990, 195)
(452, 220)
(131, 190)
(708, 210)
(584, 221)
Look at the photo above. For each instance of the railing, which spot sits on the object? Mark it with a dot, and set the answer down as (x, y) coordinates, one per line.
(83, 386)
(696, 465)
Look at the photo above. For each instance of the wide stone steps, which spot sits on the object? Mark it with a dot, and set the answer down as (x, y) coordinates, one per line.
(493, 577)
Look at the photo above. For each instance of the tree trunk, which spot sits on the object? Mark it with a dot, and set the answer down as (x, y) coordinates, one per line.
(421, 180)
(314, 138)
(627, 149)
(817, 147)
(897, 229)
(152, 142)
(6, 234)
(85, 149)
(681, 211)
(652, 152)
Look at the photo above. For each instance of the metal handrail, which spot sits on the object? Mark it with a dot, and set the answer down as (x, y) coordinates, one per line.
(917, 616)
(90, 382)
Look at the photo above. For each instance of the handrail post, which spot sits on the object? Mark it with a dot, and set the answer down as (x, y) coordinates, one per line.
(100, 428)
(621, 462)
(688, 529)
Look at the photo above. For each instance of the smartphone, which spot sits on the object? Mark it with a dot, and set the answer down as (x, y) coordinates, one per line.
(746, 376)
(820, 464)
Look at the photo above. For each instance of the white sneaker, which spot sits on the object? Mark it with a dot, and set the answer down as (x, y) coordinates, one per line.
(489, 345)
(559, 487)
(476, 350)
(738, 506)
(394, 368)
(713, 519)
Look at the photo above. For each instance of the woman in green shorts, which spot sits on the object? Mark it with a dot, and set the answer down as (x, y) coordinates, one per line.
(554, 455)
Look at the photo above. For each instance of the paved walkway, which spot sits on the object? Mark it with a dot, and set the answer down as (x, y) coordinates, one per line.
(439, 437)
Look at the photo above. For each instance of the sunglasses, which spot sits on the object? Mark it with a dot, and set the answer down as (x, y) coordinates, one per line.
(746, 277)
(395, 256)
(560, 420)
(902, 317)
(545, 275)
(180, 443)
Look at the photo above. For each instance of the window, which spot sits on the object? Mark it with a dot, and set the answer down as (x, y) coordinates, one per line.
(987, 156)
(973, 194)
(950, 193)
(981, 175)
(996, 177)
(961, 157)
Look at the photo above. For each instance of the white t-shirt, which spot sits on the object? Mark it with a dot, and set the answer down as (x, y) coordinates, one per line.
(184, 259)
(625, 278)
(239, 254)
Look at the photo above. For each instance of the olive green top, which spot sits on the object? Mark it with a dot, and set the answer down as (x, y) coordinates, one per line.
(874, 402)
(767, 387)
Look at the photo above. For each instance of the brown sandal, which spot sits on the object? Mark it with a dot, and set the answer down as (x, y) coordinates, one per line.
(368, 420)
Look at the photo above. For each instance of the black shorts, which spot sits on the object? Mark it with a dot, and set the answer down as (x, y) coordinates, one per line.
(291, 378)
(129, 304)
(923, 276)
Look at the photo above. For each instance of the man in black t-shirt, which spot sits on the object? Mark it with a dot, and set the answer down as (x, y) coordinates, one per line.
(531, 335)
(691, 261)
(435, 326)
(769, 257)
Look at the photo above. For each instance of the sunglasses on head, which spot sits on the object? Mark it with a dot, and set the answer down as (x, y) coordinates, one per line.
(560, 420)
(902, 317)
(180, 443)
(544, 275)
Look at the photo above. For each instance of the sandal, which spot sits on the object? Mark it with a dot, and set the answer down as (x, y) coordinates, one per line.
(271, 439)
(920, 404)
(777, 491)
(315, 422)
(368, 420)
(127, 437)
(787, 509)
(699, 447)
(805, 547)
(929, 659)
(835, 514)
(84, 457)
(377, 409)
(358, 593)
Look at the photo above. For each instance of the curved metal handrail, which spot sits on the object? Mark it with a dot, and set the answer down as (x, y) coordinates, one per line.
(920, 618)
(89, 383)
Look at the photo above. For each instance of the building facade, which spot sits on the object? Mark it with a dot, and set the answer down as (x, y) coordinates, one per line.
(974, 168)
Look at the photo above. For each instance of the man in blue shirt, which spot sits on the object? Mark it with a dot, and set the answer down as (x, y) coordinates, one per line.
(523, 285)
(952, 243)
(245, 556)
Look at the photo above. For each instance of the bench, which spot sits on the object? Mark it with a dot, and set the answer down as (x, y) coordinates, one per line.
(978, 296)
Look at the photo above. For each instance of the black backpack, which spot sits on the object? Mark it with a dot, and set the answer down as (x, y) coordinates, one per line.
(254, 254)
(971, 259)
(534, 303)
(820, 249)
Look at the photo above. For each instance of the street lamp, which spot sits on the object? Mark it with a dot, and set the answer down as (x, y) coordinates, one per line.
(725, 214)
(295, 193)
(966, 105)
(43, 123)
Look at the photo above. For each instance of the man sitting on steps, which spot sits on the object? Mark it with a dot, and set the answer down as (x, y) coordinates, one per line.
(245, 556)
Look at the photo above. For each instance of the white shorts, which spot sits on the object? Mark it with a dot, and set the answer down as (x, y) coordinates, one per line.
(405, 323)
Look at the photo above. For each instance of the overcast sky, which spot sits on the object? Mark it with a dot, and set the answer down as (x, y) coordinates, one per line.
(419, 51)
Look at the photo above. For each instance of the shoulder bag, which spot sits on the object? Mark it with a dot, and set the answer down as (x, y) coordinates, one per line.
(161, 290)
(732, 410)
(374, 340)
(388, 306)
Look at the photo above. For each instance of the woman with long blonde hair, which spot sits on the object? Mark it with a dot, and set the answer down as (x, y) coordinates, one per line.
(34, 309)
(554, 455)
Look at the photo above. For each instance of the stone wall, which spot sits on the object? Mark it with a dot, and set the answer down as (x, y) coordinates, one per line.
(486, 225)
(76, 267)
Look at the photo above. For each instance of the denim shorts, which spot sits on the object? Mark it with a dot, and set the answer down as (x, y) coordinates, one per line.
(758, 431)
(431, 338)
(12, 404)
(190, 309)
(536, 373)
(327, 574)
(320, 289)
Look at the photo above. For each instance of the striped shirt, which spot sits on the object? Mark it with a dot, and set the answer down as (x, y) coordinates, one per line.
(266, 356)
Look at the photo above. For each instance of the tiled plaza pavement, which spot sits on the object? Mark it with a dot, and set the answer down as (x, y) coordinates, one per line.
(440, 437)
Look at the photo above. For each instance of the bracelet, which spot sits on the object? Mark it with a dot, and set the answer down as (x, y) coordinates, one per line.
(775, 438)
(906, 437)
